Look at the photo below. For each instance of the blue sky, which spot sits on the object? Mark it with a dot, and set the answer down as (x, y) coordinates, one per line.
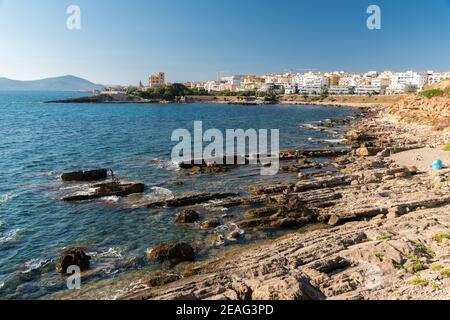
(121, 42)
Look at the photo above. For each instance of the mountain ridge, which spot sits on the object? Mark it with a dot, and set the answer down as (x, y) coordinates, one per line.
(62, 83)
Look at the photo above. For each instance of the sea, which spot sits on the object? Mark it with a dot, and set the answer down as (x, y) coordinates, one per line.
(39, 141)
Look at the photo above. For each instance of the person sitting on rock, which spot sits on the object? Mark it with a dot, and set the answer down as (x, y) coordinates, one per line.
(113, 177)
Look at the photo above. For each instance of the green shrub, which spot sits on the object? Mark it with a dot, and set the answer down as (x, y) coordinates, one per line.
(446, 147)
(446, 273)
(416, 267)
(437, 267)
(441, 236)
(379, 255)
(419, 282)
(432, 93)
(425, 249)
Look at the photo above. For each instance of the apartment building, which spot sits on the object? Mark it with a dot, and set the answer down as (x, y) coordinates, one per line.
(341, 90)
(436, 77)
(410, 79)
(157, 80)
(311, 80)
(363, 90)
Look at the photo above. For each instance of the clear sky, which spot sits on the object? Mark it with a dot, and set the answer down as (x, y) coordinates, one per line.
(121, 42)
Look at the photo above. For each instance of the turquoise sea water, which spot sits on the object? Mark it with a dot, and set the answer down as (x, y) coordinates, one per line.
(39, 141)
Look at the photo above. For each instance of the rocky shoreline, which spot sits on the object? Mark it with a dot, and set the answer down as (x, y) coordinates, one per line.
(388, 234)
(360, 102)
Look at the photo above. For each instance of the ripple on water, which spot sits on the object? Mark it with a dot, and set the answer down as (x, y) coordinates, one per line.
(9, 236)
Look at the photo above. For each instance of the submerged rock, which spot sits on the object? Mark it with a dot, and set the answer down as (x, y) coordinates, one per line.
(187, 216)
(209, 224)
(172, 252)
(92, 175)
(73, 257)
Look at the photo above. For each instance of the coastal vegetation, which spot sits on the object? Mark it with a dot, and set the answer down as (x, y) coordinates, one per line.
(171, 92)
(419, 282)
(167, 92)
(432, 93)
(437, 267)
(441, 236)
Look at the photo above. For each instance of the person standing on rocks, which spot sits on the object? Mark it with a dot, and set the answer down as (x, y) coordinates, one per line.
(113, 177)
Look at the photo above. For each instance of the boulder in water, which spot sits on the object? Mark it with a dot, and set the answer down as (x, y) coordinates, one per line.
(187, 216)
(92, 175)
(73, 257)
(172, 252)
(109, 189)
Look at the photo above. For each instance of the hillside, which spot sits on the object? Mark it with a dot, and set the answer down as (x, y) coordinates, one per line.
(443, 85)
(64, 83)
(430, 107)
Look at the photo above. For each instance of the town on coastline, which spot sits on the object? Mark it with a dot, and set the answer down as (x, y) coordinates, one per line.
(269, 86)
(368, 218)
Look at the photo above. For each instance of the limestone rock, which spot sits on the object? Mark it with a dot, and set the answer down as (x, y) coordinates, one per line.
(187, 216)
(172, 252)
(92, 175)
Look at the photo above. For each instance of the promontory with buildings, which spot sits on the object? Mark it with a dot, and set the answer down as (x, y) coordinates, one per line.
(308, 83)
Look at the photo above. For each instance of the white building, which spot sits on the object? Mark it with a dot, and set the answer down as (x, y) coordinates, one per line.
(267, 87)
(404, 80)
(341, 90)
(369, 89)
(212, 86)
(290, 89)
(310, 80)
(310, 90)
(436, 77)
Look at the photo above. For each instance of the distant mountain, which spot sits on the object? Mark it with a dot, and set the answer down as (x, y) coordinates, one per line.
(65, 83)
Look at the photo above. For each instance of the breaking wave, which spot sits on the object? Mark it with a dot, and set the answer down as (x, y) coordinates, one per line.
(114, 199)
(34, 264)
(9, 236)
(164, 164)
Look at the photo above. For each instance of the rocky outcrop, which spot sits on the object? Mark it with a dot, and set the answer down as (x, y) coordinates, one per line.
(209, 224)
(420, 110)
(379, 259)
(191, 199)
(386, 230)
(172, 252)
(92, 175)
(73, 257)
(106, 98)
(187, 216)
(107, 190)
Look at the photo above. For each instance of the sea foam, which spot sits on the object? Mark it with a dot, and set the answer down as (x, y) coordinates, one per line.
(6, 197)
(9, 236)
